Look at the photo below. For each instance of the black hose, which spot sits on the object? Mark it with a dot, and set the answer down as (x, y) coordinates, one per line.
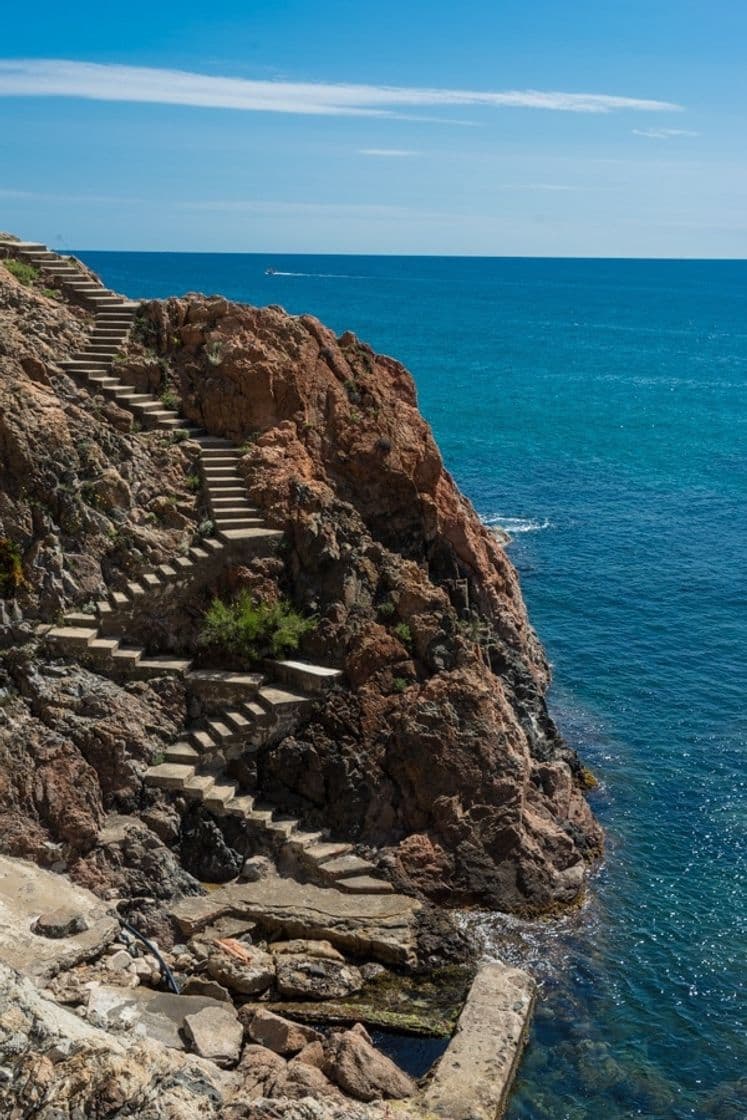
(165, 970)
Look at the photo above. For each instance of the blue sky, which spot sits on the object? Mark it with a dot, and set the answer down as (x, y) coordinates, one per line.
(495, 128)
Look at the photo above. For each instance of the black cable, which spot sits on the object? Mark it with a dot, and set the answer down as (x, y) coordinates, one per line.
(165, 970)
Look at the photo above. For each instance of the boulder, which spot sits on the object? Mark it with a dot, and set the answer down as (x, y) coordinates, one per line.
(215, 1033)
(258, 1070)
(197, 986)
(276, 1033)
(299, 1080)
(354, 1064)
(248, 974)
(305, 948)
(62, 922)
(316, 978)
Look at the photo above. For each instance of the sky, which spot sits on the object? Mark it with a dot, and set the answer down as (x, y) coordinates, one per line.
(492, 128)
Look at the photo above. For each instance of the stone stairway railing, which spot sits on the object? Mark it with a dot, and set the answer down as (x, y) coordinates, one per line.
(194, 767)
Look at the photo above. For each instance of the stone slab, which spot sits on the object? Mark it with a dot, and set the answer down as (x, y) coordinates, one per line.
(474, 1077)
(147, 1013)
(378, 926)
(26, 892)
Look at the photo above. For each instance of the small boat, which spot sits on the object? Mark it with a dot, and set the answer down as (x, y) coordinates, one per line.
(271, 271)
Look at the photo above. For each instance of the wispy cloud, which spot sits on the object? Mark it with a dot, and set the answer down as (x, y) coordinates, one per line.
(663, 133)
(98, 82)
(386, 152)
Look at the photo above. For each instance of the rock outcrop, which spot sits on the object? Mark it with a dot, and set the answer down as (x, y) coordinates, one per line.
(442, 749)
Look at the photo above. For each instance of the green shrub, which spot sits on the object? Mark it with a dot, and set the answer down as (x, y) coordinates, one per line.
(12, 578)
(22, 271)
(194, 482)
(386, 609)
(51, 293)
(399, 684)
(254, 629)
(404, 633)
(169, 399)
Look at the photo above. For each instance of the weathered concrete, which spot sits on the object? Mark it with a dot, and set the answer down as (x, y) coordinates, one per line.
(26, 893)
(473, 1078)
(379, 926)
(146, 1013)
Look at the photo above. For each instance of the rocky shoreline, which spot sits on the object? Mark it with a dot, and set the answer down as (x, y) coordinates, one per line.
(285, 806)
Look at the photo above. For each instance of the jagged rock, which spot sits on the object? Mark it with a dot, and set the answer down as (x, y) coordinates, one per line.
(204, 852)
(215, 1033)
(258, 1068)
(249, 975)
(359, 1069)
(316, 978)
(299, 1080)
(276, 1033)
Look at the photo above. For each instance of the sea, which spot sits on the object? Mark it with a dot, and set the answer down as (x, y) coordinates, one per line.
(597, 411)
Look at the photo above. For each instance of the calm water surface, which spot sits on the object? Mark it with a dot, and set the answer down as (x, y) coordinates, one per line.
(597, 410)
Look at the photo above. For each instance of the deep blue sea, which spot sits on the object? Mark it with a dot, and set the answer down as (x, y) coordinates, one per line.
(598, 410)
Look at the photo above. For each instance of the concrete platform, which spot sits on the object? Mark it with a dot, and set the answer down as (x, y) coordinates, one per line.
(474, 1077)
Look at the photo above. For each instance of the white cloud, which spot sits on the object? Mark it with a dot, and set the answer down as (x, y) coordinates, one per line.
(395, 152)
(94, 81)
(663, 133)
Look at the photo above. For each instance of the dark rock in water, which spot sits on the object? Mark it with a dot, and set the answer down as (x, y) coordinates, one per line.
(205, 853)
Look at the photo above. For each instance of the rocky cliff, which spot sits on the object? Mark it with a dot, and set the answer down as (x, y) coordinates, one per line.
(437, 751)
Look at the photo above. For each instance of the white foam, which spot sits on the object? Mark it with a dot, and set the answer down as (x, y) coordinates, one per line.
(515, 524)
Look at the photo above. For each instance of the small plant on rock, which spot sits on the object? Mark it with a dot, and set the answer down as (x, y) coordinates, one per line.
(206, 528)
(399, 684)
(170, 400)
(404, 633)
(23, 272)
(194, 483)
(253, 629)
(12, 578)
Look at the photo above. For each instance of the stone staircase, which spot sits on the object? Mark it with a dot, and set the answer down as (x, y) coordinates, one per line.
(258, 711)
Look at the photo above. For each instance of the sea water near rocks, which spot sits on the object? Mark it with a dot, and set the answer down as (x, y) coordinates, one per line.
(598, 411)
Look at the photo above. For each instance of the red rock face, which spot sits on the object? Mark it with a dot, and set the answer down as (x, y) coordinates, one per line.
(441, 747)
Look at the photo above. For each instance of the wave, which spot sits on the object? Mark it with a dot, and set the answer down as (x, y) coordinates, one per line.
(320, 275)
(516, 524)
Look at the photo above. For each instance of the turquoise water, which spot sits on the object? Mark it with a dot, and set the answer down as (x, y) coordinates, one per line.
(597, 409)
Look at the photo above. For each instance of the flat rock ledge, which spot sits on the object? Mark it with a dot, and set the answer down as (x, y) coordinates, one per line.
(378, 926)
(29, 893)
(474, 1076)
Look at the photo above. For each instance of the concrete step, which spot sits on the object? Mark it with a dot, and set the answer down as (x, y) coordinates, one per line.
(364, 884)
(258, 536)
(204, 742)
(196, 786)
(169, 775)
(304, 675)
(102, 649)
(77, 618)
(166, 572)
(219, 731)
(227, 492)
(150, 580)
(320, 853)
(220, 794)
(241, 806)
(239, 522)
(278, 700)
(183, 754)
(233, 503)
(126, 658)
(238, 721)
(346, 867)
(148, 667)
(72, 639)
(134, 590)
